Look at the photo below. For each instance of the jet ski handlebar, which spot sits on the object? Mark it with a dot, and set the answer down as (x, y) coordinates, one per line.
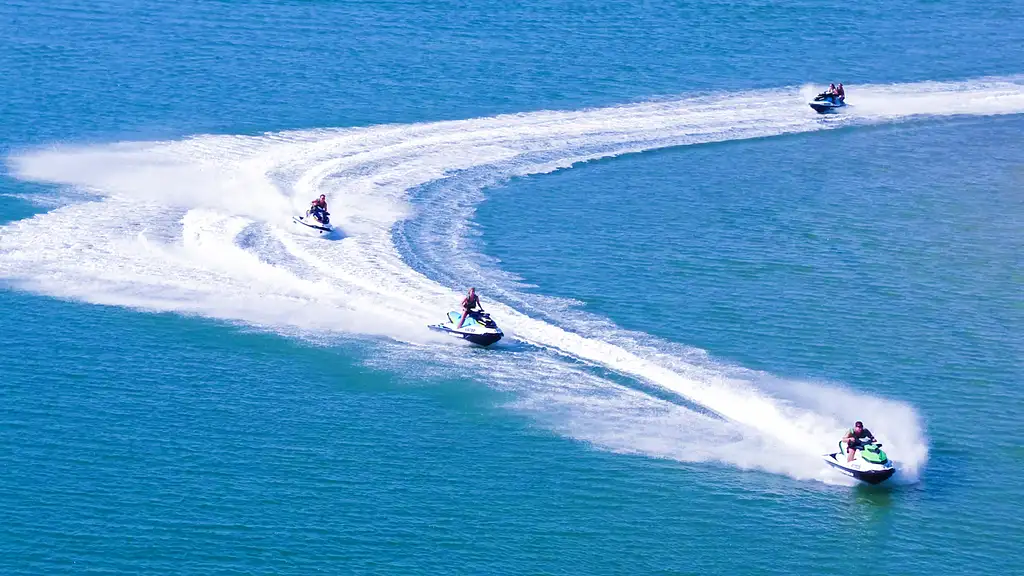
(842, 443)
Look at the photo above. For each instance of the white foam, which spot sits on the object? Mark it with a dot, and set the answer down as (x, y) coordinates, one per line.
(202, 226)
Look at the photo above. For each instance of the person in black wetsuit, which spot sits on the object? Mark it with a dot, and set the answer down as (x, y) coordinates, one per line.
(855, 438)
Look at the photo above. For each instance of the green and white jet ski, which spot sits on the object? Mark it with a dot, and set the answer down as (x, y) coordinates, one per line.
(869, 463)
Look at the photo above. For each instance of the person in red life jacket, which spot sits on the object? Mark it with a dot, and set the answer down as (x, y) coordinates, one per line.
(318, 208)
(470, 302)
(840, 93)
(320, 202)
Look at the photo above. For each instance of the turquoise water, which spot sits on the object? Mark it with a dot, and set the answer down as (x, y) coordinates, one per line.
(702, 283)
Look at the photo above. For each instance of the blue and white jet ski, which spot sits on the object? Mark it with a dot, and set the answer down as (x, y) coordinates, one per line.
(316, 219)
(826, 103)
(869, 463)
(478, 328)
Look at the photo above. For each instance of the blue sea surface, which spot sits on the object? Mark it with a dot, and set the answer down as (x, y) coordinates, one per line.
(702, 284)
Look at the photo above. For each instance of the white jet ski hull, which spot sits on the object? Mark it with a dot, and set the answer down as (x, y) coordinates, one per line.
(313, 224)
(861, 469)
(478, 328)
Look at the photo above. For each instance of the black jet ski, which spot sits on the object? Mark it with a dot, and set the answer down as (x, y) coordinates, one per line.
(478, 328)
(825, 103)
(316, 219)
(869, 463)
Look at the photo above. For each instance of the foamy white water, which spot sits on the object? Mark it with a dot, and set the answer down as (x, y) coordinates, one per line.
(202, 226)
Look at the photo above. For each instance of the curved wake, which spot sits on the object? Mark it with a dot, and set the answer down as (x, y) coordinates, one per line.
(202, 226)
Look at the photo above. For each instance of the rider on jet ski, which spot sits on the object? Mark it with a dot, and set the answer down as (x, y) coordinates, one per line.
(468, 303)
(855, 438)
(318, 208)
(835, 95)
(836, 92)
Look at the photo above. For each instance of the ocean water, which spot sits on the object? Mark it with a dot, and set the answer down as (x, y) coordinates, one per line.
(702, 283)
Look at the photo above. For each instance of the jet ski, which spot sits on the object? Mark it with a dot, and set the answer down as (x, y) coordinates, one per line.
(478, 328)
(316, 219)
(826, 103)
(869, 463)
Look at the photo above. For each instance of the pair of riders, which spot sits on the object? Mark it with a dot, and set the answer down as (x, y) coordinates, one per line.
(318, 209)
(836, 92)
(856, 438)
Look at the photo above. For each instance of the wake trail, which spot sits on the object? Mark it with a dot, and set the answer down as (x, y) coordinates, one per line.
(202, 226)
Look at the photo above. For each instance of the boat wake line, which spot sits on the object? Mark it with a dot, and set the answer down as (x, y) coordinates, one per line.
(203, 226)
